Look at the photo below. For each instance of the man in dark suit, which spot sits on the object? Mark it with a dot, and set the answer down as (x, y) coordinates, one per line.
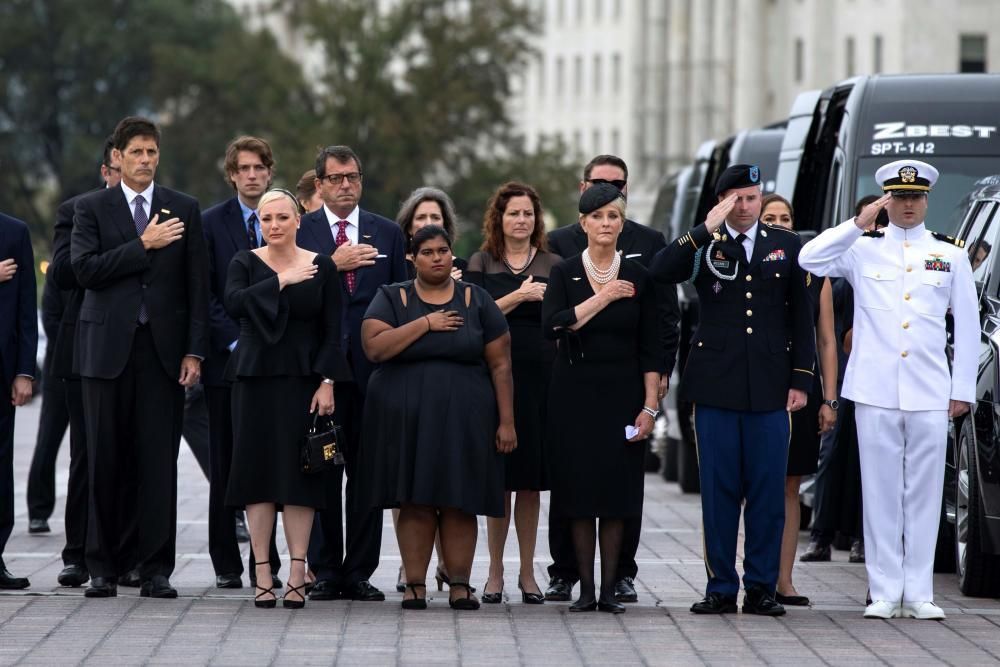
(369, 252)
(64, 371)
(139, 252)
(751, 364)
(640, 243)
(18, 343)
(230, 226)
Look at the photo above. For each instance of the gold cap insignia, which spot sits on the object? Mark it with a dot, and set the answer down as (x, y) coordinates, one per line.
(908, 174)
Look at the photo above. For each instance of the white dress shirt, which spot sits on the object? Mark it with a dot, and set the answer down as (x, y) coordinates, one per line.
(751, 238)
(352, 223)
(904, 283)
(147, 196)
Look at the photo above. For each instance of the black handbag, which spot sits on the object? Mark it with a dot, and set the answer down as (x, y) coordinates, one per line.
(321, 446)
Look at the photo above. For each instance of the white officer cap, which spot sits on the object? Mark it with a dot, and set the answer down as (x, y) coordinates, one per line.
(906, 176)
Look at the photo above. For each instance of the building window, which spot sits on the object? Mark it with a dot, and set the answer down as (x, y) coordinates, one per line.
(973, 53)
(849, 55)
(597, 9)
(578, 75)
(616, 147)
(616, 72)
(597, 142)
(597, 73)
(877, 54)
(560, 73)
(799, 64)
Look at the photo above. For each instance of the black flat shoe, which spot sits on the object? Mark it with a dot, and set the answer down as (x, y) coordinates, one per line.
(73, 576)
(157, 586)
(38, 526)
(792, 600)
(762, 603)
(584, 605)
(559, 590)
(229, 581)
(363, 591)
(416, 602)
(815, 553)
(269, 603)
(530, 598)
(101, 587)
(324, 589)
(491, 598)
(625, 590)
(611, 606)
(130, 579)
(9, 582)
(468, 603)
(715, 603)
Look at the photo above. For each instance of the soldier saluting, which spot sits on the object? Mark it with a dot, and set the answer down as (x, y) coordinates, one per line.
(750, 364)
(905, 279)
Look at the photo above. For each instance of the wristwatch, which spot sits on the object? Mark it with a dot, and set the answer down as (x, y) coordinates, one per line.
(834, 404)
(651, 412)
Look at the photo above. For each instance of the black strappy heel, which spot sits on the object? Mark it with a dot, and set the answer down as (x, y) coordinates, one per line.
(301, 590)
(264, 604)
(468, 603)
(415, 602)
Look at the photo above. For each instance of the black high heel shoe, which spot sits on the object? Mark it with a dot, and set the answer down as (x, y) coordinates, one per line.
(299, 590)
(442, 578)
(415, 602)
(530, 598)
(468, 603)
(264, 604)
(401, 585)
(489, 598)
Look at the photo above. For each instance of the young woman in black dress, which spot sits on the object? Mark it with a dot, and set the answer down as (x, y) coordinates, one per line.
(286, 360)
(811, 422)
(439, 414)
(513, 266)
(603, 395)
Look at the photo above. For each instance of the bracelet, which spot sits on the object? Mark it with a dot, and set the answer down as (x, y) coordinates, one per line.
(428, 323)
(328, 381)
(651, 412)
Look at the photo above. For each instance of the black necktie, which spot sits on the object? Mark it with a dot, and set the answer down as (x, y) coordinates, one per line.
(740, 238)
(252, 231)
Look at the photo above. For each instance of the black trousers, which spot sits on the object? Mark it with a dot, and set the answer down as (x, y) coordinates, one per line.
(52, 423)
(222, 545)
(77, 487)
(135, 417)
(6, 471)
(564, 557)
(327, 556)
(196, 427)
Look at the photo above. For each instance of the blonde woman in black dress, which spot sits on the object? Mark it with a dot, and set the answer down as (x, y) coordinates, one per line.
(287, 357)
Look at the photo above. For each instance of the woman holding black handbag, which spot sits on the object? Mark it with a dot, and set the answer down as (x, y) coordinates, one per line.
(286, 360)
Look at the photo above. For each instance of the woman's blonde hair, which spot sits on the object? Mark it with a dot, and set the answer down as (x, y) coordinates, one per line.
(274, 195)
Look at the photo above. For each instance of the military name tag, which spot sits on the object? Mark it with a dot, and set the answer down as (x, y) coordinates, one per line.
(719, 260)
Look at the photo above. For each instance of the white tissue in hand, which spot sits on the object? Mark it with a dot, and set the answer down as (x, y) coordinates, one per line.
(630, 432)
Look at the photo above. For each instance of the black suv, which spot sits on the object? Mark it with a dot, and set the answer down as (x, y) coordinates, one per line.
(969, 538)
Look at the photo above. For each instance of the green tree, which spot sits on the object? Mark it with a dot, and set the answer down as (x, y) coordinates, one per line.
(420, 89)
(70, 69)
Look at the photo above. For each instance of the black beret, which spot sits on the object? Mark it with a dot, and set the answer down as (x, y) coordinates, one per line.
(597, 195)
(737, 176)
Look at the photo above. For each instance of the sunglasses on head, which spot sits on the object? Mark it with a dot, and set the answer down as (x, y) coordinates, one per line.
(618, 182)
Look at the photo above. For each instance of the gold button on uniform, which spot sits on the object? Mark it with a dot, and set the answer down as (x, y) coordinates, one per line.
(749, 278)
(909, 269)
(700, 344)
(749, 330)
(749, 295)
(777, 275)
(906, 325)
(904, 353)
(906, 297)
(906, 244)
(749, 313)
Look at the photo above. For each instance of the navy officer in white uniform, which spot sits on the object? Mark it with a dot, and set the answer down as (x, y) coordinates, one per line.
(905, 280)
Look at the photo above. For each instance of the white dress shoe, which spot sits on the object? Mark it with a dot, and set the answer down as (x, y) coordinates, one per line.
(881, 609)
(925, 611)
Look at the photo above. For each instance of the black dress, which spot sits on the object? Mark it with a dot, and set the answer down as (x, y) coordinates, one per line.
(596, 390)
(531, 357)
(430, 418)
(803, 447)
(289, 340)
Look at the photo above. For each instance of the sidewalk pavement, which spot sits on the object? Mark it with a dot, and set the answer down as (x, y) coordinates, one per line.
(54, 626)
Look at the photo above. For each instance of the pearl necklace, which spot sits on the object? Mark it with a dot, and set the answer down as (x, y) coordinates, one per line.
(601, 276)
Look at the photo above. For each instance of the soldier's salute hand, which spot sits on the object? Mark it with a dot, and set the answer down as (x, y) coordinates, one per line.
(866, 219)
(718, 214)
(161, 234)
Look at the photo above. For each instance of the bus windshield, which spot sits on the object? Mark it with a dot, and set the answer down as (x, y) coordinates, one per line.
(958, 177)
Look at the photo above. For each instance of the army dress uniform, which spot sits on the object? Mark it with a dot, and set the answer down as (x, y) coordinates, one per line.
(755, 341)
(905, 280)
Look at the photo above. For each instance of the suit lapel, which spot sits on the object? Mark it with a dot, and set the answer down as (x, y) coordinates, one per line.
(121, 214)
(320, 229)
(235, 225)
(626, 238)
(367, 230)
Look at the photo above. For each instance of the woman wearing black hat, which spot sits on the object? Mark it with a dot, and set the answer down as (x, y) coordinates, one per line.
(602, 398)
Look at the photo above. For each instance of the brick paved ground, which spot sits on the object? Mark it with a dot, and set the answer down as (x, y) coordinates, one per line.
(50, 625)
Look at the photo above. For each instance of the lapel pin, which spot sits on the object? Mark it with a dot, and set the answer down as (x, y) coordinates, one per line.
(577, 278)
(763, 233)
(164, 211)
(367, 236)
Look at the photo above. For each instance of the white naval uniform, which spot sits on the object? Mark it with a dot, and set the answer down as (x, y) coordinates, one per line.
(898, 376)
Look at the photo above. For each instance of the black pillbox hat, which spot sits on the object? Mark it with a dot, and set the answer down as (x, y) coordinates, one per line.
(597, 195)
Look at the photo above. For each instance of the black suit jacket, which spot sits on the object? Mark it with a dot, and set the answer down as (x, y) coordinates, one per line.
(118, 274)
(756, 337)
(61, 274)
(641, 244)
(315, 235)
(225, 235)
(18, 306)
